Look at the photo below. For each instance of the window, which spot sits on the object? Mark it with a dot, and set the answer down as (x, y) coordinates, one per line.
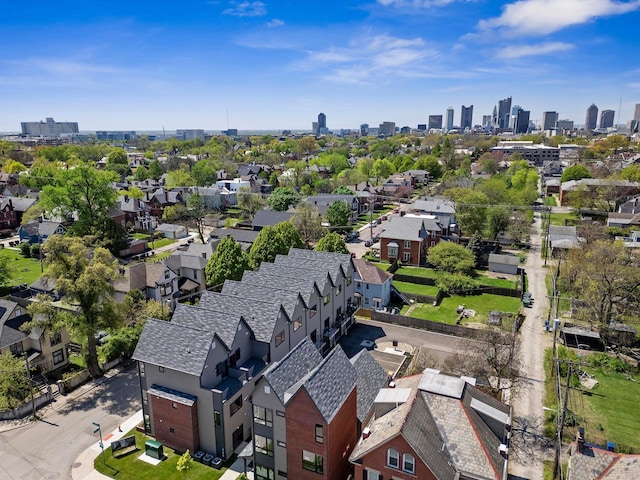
(279, 338)
(338, 289)
(16, 349)
(55, 338)
(166, 290)
(327, 299)
(372, 475)
(348, 281)
(433, 244)
(174, 405)
(236, 405)
(407, 244)
(282, 444)
(263, 416)
(312, 311)
(172, 430)
(311, 461)
(263, 445)
(319, 434)
(358, 284)
(406, 256)
(263, 473)
(58, 356)
(141, 366)
(408, 463)
(161, 369)
(234, 358)
(217, 419)
(392, 252)
(297, 323)
(166, 274)
(222, 369)
(393, 459)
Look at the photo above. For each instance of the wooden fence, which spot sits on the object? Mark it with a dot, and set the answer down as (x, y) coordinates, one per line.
(430, 325)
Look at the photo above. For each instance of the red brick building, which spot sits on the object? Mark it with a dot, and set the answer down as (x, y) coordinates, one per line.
(175, 420)
(407, 239)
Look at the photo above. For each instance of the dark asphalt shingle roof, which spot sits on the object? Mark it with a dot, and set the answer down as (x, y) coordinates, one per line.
(335, 264)
(173, 346)
(262, 218)
(10, 332)
(370, 379)
(265, 293)
(282, 375)
(223, 325)
(504, 259)
(369, 273)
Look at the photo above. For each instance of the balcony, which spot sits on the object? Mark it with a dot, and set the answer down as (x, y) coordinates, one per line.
(237, 377)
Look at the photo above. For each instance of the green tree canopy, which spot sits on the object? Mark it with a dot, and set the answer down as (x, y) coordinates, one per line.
(343, 190)
(83, 191)
(14, 384)
(250, 202)
(308, 222)
(471, 208)
(228, 262)
(179, 178)
(282, 198)
(197, 211)
(85, 276)
(332, 242)
(451, 257)
(339, 214)
(272, 241)
(575, 172)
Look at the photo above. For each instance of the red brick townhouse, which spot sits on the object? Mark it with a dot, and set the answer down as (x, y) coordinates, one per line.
(408, 239)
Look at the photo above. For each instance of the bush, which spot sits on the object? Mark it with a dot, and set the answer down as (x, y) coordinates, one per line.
(25, 249)
(608, 362)
(456, 283)
(121, 343)
(34, 250)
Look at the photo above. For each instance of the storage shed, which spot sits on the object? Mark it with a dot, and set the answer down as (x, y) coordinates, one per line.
(504, 263)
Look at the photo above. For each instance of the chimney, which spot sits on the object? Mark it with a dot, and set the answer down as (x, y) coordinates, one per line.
(580, 440)
(365, 433)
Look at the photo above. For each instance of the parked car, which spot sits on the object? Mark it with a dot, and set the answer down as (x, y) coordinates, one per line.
(368, 243)
(373, 224)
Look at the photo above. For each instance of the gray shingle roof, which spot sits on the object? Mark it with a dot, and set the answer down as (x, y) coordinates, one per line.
(335, 263)
(369, 273)
(292, 367)
(262, 218)
(297, 285)
(10, 332)
(504, 259)
(260, 316)
(265, 293)
(370, 379)
(173, 346)
(331, 382)
(223, 325)
(403, 228)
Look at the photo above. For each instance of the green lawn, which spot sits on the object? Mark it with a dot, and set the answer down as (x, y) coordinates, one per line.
(159, 242)
(129, 467)
(418, 272)
(482, 304)
(416, 289)
(23, 270)
(479, 275)
(559, 218)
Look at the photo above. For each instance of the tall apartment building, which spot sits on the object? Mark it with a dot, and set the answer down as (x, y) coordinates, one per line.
(504, 111)
(449, 118)
(549, 120)
(607, 118)
(435, 122)
(591, 119)
(387, 128)
(466, 117)
(49, 128)
(522, 121)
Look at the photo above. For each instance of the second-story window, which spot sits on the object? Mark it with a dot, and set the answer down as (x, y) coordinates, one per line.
(327, 299)
(279, 338)
(319, 434)
(55, 338)
(263, 416)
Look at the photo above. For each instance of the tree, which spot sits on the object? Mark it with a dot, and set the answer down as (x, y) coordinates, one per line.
(82, 191)
(605, 277)
(85, 277)
(179, 178)
(343, 190)
(274, 180)
(339, 214)
(497, 221)
(155, 169)
(470, 209)
(382, 168)
(575, 172)
(228, 262)
(451, 258)
(185, 463)
(197, 211)
(171, 213)
(14, 383)
(308, 222)
(117, 162)
(332, 242)
(272, 241)
(476, 247)
(282, 198)
(249, 202)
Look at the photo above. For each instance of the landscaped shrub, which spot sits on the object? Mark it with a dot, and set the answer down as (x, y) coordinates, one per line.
(122, 343)
(25, 249)
(34, 250)
(456, 283)
(608, 362)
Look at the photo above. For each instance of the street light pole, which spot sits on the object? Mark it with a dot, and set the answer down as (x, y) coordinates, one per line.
(99, 430)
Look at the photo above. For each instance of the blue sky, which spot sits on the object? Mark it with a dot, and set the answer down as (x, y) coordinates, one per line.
(143, 65)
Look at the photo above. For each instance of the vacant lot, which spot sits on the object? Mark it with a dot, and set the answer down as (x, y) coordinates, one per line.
(481, 276)
(446, 311)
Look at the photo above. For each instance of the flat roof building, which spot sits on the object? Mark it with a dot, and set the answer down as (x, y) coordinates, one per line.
(49, 128)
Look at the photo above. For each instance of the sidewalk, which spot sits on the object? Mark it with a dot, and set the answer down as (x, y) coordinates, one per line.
(82, 469)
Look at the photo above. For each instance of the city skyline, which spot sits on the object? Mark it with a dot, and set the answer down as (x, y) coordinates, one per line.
(260, 65)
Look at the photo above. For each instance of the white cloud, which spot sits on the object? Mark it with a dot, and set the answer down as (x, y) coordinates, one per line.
(419, 3)
(246, 9)
(276, 22)
(518, 51)
(541, 17)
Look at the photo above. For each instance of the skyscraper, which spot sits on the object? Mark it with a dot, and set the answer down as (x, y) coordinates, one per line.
(387, 128)
(466, 117)
(322, 123)
(494, 116)
(592, 117)
(449, 118)
(522, 121)
(606, 118)
(549, 120)
(513, 118)
(435, 122)
(504, 110)
(364, 129)
(636, 113)
(487, 121)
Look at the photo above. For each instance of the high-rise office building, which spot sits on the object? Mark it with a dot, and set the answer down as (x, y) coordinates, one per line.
(449, 118)
(564, 125)
(606, 118)
(504, 110)
(522, 121)
(435, 122)
(49, 128)
(592, 117)
(513, 117)
(422, 127)
(486, 121)
(190, 134)
(549, 120)
(636, 113)
(322, 124)
(494, 116)
(466, 117)
(364, 129)
(387, 128)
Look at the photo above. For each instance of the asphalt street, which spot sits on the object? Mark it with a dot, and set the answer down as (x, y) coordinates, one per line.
(46, 449)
